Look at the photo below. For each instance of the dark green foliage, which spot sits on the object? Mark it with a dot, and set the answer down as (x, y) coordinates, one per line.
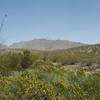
(10, 61)
(26, 59)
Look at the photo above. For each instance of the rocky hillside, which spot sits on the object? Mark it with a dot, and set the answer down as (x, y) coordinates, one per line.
(43, 44)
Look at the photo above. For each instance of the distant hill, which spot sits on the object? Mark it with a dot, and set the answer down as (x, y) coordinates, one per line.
(43, 44)
(87, 49)
(2, 46)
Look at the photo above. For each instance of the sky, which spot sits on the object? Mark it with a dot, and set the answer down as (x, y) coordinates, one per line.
(74, 20)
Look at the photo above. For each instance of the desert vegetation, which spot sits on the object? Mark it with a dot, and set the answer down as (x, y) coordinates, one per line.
(43, 75)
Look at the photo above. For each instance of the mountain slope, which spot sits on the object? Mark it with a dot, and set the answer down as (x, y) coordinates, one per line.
(2, 46)
(43, 44)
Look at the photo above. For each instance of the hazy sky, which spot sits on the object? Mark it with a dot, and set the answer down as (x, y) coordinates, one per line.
(75, 20)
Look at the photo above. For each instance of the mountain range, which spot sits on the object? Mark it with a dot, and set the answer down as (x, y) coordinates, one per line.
(44, 44)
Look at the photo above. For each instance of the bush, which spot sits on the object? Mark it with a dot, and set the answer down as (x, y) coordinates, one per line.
(27, 87)
(26, 59)
(11, 61)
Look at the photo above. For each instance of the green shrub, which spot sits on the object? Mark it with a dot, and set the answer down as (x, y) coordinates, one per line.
(26, 59)
(27, 87)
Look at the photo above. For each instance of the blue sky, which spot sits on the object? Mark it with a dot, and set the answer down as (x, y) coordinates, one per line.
(75, 20)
